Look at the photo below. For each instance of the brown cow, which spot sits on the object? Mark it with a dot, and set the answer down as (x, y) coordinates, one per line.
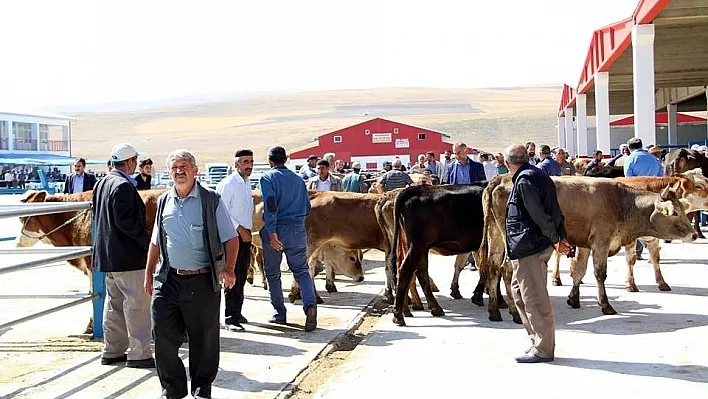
(683, 160)
(601, 215)
(693, 193)
(77, 232)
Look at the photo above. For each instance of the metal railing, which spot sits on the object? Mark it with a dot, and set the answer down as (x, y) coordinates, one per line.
(53, 255)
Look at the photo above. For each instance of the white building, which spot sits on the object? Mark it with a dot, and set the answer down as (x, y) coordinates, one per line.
(35, 136)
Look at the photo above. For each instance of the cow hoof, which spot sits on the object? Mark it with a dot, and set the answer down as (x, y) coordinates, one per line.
(502, 304)
(495, 316)
(557, 282)
(581, 282)
(664, 287)
(455, 294)
(294, 295)
(89, 327)
(609, 310)
(477, 300)
(398, 318)
(319, 300)
(250, 280)
(331, 288)
(516, 318)
(437, 312)
(434, 288)
(417, 306)
(407, 312)
(573, 302)
(632, 288)
(388, 298)
(667, 241)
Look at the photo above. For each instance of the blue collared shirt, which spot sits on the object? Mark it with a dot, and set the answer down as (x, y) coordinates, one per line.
(463, 173)
(550, 166)
(285, 198)
(131, 179)
(78, 183)
(184, 229)
(642, 163)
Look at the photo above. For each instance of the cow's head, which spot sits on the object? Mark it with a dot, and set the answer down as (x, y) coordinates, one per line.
(694, 196)
(669, 216)
(31, 226)
(345, 261)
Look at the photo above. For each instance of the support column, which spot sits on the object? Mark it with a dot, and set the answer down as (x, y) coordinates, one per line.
(561, 132)
(644, 92)
(602, 111)
(34, 128)
(10, 136)
(569, 132)
(582, 124)
(673, 126)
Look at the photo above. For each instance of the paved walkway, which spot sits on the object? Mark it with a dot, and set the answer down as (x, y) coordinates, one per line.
(655, 347)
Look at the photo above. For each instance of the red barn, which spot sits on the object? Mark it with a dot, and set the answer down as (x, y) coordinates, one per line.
(375, 141)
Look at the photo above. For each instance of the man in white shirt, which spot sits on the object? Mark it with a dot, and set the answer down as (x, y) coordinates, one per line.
(235, 192)
(490, 167)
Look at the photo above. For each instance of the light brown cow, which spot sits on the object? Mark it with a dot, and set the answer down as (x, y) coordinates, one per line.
(76, 229)
(693, 193)
(601, 215)
(418, 178)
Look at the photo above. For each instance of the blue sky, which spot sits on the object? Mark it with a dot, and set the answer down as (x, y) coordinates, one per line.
(73, 52)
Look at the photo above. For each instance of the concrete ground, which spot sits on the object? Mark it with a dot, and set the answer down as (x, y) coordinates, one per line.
(655, 346)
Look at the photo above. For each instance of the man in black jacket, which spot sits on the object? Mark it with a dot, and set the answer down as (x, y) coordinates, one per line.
(534, 227)
(79, 181)
(120, 251)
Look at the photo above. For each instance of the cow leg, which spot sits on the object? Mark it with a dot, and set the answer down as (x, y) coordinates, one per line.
(251, 266)
(513, 310)
(294, 294)
(697, 223)
(311, 267)
(578, 268)
(493, 306)
(424, 278)
(260, 268)
(405, 274)
(653, 247)
(434, 286)
(329, 277)
(416, 302)
(477, 295)
(390, 279)
(460, 261)
(599, 259)
(631, 256)
(556, 269)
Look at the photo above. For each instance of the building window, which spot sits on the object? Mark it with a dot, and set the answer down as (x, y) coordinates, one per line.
(23, 137)
(395, 130)
(4, 136)
(421, 136)
(337, 139)
(367, 132)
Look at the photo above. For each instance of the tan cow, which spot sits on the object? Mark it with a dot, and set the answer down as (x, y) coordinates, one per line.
(72, 228)
(693, 194)
(601, 215)
(418, 178)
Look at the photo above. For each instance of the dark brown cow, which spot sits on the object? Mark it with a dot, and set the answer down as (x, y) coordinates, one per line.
(601, 215)
(683, 160)
(77, 232)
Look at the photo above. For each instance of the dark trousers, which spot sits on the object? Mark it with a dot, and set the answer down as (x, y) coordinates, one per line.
(234, 296)
(186, 302)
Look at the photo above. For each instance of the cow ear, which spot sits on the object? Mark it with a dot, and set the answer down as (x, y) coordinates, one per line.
(34, 196)
(665, 193)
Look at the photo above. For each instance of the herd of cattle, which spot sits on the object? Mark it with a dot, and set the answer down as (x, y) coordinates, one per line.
(602, 216)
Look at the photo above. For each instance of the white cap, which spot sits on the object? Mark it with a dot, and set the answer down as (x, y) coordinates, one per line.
(702, 148)
(695, 147)
(123, 151)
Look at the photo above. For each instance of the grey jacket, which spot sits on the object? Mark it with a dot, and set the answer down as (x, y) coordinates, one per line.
(334, 180)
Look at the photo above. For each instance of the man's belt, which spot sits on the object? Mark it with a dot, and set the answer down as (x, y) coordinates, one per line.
(188, 272)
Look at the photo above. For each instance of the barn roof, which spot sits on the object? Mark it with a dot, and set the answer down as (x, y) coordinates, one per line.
(662, 118)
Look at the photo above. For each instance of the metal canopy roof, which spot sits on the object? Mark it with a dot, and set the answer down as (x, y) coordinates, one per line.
(680, 54)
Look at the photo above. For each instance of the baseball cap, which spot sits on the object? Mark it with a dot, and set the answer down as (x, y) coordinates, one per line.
(356, 165)
(311, 157)
(123, 151)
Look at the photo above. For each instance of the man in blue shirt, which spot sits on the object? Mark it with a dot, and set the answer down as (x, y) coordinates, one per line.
(548, 164)
(464, 170)
(309, 170)
(286, 204)
(640, 162)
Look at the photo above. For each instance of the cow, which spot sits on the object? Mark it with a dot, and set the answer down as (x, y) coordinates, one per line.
(72, 228)
(448, 218)
(693, 194)
(682, 160)
(605, 171)
(601, 215)
(418, 178)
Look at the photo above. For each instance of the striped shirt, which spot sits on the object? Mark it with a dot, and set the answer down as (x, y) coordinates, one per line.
(395, 179)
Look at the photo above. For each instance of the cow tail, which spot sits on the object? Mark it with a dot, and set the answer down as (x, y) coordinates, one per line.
(397, 222)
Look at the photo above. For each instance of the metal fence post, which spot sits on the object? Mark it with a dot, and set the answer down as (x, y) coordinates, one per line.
(99, 289)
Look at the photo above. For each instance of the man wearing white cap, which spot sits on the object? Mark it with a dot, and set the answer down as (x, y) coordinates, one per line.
(120, 251)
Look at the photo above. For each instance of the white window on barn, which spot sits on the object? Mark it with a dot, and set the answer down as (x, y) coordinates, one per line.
(337, 139)
(421, 136)
(395, 130)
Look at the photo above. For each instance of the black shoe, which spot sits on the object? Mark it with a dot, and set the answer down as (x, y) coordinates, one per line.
(107, 361)
(234, 326)
(148, 363)
(311, 320)
(242, 320)
(531, 358)
(277, 320)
